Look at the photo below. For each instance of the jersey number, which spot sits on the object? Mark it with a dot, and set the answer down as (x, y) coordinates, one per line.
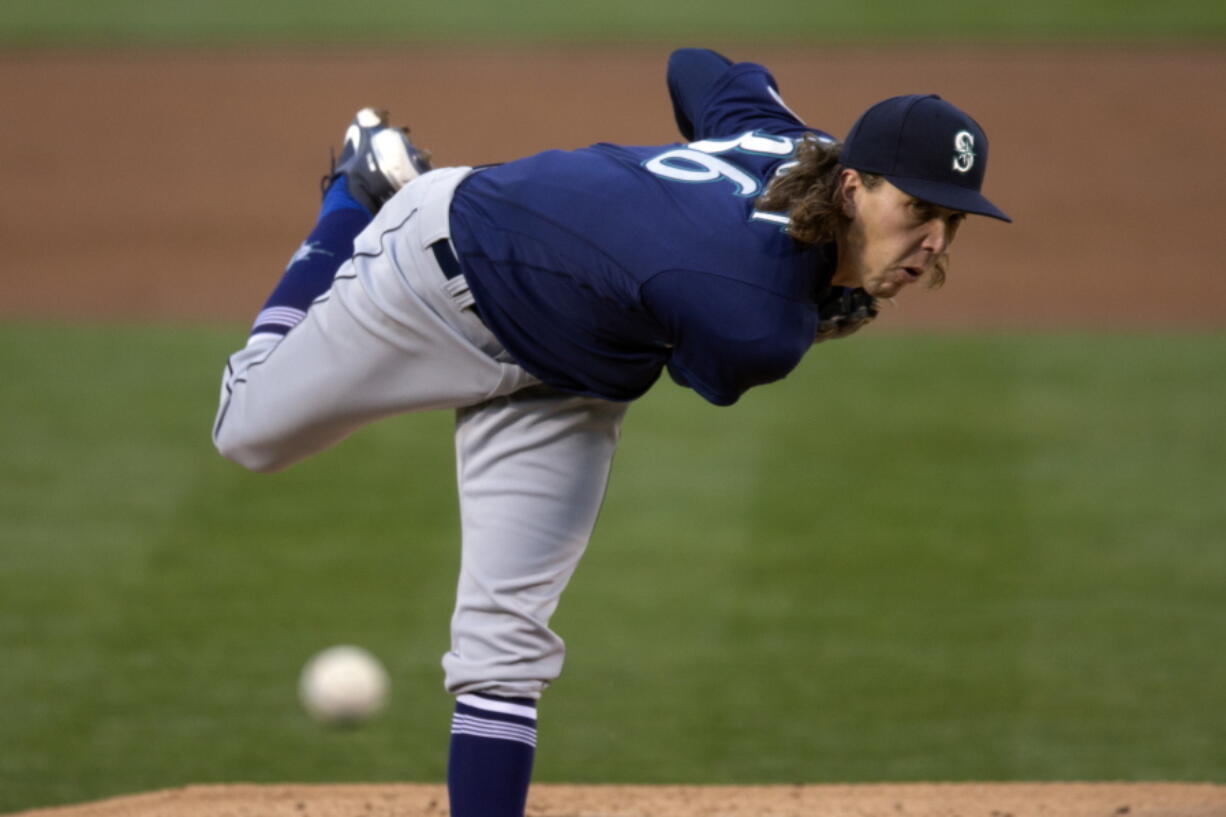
(699, 162)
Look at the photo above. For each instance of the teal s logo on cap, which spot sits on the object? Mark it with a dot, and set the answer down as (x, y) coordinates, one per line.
(906, 139)
(964, 151)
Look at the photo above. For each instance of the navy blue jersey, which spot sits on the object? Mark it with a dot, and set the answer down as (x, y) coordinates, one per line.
(598, 267)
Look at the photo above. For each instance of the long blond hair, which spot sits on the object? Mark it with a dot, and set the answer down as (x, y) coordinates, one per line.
(809, 192)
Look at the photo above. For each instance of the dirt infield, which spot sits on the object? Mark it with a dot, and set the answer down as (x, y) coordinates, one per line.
(176, 186)
(947, 800)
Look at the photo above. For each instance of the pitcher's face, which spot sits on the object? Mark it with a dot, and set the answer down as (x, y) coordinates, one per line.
(893, 239)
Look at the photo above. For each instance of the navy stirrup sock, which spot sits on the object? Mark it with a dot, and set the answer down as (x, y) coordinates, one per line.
(493, 742)
(313, 266)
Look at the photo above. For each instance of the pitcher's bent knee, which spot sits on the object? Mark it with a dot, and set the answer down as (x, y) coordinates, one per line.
(508, 655)
(249, 452)
(251, 457)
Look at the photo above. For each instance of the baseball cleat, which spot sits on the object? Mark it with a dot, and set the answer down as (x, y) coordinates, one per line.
(376, 160)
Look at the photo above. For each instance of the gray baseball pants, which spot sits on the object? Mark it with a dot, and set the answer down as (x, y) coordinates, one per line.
(394, 335)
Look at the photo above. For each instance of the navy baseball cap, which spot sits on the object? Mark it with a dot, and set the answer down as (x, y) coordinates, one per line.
(925, 147)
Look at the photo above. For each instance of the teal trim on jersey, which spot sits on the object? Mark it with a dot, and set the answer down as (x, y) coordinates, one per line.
(660, 165)
(705, 153)
(770, 217)
(736, 144)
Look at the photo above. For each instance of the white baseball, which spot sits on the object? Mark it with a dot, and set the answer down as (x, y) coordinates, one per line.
(343, 686)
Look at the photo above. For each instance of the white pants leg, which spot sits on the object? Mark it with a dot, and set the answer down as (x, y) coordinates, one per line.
(392, 335)
(532, 469)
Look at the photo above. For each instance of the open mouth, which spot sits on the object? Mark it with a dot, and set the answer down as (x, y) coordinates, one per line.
(913, 273)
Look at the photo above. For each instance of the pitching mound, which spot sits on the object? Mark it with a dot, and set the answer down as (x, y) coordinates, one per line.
(910, 800)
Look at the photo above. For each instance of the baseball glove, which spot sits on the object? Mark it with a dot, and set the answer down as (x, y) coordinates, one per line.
(842, 311)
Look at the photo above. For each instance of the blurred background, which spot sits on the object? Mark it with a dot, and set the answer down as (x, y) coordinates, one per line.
(983, 540)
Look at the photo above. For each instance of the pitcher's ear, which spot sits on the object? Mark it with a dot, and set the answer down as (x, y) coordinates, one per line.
(849, 182)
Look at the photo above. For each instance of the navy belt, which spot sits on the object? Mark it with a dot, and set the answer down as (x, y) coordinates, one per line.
(446, 257)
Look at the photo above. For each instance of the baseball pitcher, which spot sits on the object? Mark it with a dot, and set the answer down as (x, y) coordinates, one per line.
(538, 298)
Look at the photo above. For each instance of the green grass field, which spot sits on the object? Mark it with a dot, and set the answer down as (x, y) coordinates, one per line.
(921, 557)
(92, 22)
(946, 557)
